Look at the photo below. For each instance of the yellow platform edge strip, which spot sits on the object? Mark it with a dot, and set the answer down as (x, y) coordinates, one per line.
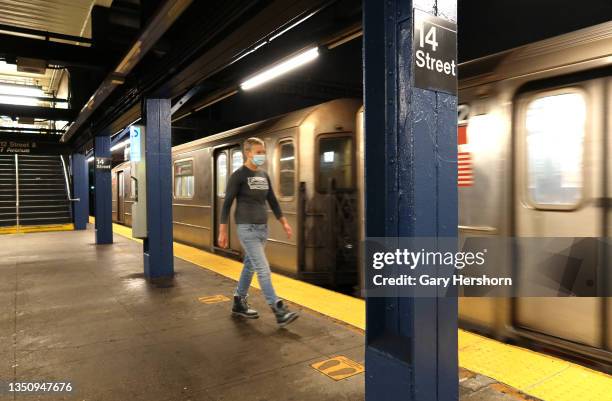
(542, 376)
(36, 229)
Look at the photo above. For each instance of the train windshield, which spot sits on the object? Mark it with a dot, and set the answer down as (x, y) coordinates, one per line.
(555, 128)
(335, 163)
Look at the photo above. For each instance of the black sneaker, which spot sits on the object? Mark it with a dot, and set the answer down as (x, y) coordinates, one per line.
(282, 313)
(241, 308)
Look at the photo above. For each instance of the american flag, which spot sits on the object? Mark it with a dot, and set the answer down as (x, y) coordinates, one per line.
(465, 176)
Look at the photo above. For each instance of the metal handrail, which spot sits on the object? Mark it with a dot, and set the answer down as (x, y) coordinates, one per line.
(70, 198)
(17, 191)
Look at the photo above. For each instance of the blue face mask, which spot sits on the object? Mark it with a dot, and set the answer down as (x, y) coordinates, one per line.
(258, 160)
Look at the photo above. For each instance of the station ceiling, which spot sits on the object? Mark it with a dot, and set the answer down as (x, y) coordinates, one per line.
(61, 16)
(215, 44)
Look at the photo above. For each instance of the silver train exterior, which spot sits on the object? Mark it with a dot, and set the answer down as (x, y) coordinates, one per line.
(534, 161)
(565, 81)
(311, 162)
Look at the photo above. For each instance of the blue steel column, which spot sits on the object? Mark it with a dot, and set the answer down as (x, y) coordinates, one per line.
(158, 252)
(80, 184)
(411, 141)
(103, 193)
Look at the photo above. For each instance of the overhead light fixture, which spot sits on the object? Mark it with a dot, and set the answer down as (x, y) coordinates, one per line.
(120, 145)
(90, 159)
(24, 95)
(281, 68)
(7, 68)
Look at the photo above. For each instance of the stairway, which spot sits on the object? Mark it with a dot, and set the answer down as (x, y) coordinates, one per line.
(42, 191)
(35, 194)
(8, 207)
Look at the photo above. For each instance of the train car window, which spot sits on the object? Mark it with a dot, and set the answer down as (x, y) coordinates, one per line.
(286, 163)
(335, 163)
(221, 174)
(183, 179)
(237, 160)
(555, 130)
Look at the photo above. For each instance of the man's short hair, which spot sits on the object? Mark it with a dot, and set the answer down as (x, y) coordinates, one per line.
(249, 142)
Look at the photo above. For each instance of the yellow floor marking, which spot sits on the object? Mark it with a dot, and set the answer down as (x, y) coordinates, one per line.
(36, 229)
(574, 383)
(338, 367)
(541, 376)
(213, 299)
(538, 375)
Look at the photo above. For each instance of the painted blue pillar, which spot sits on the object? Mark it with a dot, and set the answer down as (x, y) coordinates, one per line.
(103, 191)
(80, 189)
(157, 247)
(411, 191)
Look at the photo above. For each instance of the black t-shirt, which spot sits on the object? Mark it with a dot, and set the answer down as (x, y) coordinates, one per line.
(251, 190)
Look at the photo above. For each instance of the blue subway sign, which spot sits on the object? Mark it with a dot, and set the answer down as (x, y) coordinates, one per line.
(135, 151)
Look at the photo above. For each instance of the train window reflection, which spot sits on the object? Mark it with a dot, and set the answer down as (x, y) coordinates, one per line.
(335, 163)
(237, 160)
(183, 179)
(555, 130)
(286, 169)
(221, 174)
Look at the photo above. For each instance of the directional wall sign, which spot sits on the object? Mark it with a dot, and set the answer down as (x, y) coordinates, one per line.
(9, 145)
(434, 46)
(135, 151)
(103, 163)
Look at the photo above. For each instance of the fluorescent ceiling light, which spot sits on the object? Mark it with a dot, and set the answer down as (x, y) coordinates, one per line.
(120, 145)
(5, 67)
(90, 159)
(281, 68)
(18, 94)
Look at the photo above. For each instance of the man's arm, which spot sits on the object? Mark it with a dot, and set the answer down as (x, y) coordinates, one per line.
(272, 201)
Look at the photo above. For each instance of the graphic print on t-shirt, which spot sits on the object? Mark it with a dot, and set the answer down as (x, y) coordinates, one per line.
(258, 183)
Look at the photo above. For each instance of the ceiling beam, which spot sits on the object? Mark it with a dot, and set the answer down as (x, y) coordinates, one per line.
(18, 130)
(43, 113)
(160, 23)
(54, 53)
(44, 35)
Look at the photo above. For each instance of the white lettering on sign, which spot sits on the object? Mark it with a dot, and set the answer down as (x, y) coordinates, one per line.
(423, 59)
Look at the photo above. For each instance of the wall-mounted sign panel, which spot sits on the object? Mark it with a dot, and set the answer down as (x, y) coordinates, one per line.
(103, 163)
(434, 47)
(31, 147)
(135, 148)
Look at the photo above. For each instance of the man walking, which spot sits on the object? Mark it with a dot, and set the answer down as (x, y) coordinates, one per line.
(251, 187)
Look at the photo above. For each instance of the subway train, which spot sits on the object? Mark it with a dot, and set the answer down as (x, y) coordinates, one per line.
(533, 161)
(311, 162)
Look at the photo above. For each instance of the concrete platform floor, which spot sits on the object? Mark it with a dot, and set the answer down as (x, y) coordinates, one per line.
(71, 311)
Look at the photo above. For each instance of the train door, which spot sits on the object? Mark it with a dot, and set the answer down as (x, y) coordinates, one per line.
(120, 196)
(227, 160)
(558, 183)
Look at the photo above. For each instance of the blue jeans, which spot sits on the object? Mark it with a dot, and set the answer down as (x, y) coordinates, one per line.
(253, 239)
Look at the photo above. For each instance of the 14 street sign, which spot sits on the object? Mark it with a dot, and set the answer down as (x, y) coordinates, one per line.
(434, 53)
